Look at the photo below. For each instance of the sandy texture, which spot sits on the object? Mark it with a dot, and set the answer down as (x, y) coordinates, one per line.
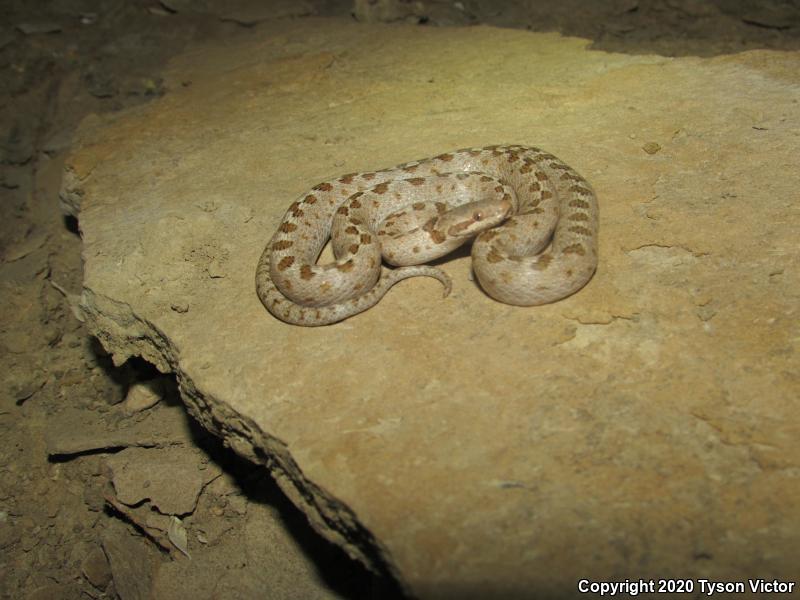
(644, 427)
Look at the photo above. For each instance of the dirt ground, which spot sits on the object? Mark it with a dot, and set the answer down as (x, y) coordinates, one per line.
(107, 489)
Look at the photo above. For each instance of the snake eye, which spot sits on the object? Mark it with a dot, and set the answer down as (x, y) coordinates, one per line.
(477, 215)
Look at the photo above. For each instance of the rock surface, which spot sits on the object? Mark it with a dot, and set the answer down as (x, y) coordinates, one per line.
(171, 480)
(645, 427)
(143, 395)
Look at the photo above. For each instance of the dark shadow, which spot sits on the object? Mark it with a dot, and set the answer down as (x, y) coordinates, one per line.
(71, 225)
(345, 576)
(663, 27)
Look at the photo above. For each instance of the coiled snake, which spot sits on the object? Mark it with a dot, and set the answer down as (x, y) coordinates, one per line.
(535, 219)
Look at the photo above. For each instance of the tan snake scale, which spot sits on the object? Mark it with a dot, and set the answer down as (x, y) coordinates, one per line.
(535, 218)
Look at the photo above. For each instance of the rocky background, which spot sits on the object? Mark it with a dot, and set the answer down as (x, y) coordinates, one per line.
(102, 472)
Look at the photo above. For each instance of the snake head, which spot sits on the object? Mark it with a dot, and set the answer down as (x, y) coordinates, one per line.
(475, 217)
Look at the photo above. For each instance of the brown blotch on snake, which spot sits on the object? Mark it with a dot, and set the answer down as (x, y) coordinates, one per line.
(581, 230)
(574, 249)
(437, 236)
(285, 263)
(543, 262)
(494, 256)
(578, 217)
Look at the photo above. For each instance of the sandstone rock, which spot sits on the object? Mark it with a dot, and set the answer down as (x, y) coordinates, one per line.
(79, 431)
(143, 395)
(96, 569)
(170, 478)
(133, 563)
(645, 426)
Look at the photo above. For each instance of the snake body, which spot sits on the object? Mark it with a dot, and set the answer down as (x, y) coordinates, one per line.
(535, 218)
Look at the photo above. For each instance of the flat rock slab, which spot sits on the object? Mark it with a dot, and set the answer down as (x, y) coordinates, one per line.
(171, 479)
(645, 427)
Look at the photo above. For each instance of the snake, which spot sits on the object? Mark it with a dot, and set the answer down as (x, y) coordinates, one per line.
(532, 219)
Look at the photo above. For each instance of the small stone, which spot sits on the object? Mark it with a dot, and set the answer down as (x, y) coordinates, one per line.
(58, 141)
(25, 387)
(32, 28)
(143, 395)
(29, 542)
(158, 11)
(651, 147)
(9, 535)
(96, 569)
(100, 84)
(52, 334)
(93, 498)
(132, 561)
